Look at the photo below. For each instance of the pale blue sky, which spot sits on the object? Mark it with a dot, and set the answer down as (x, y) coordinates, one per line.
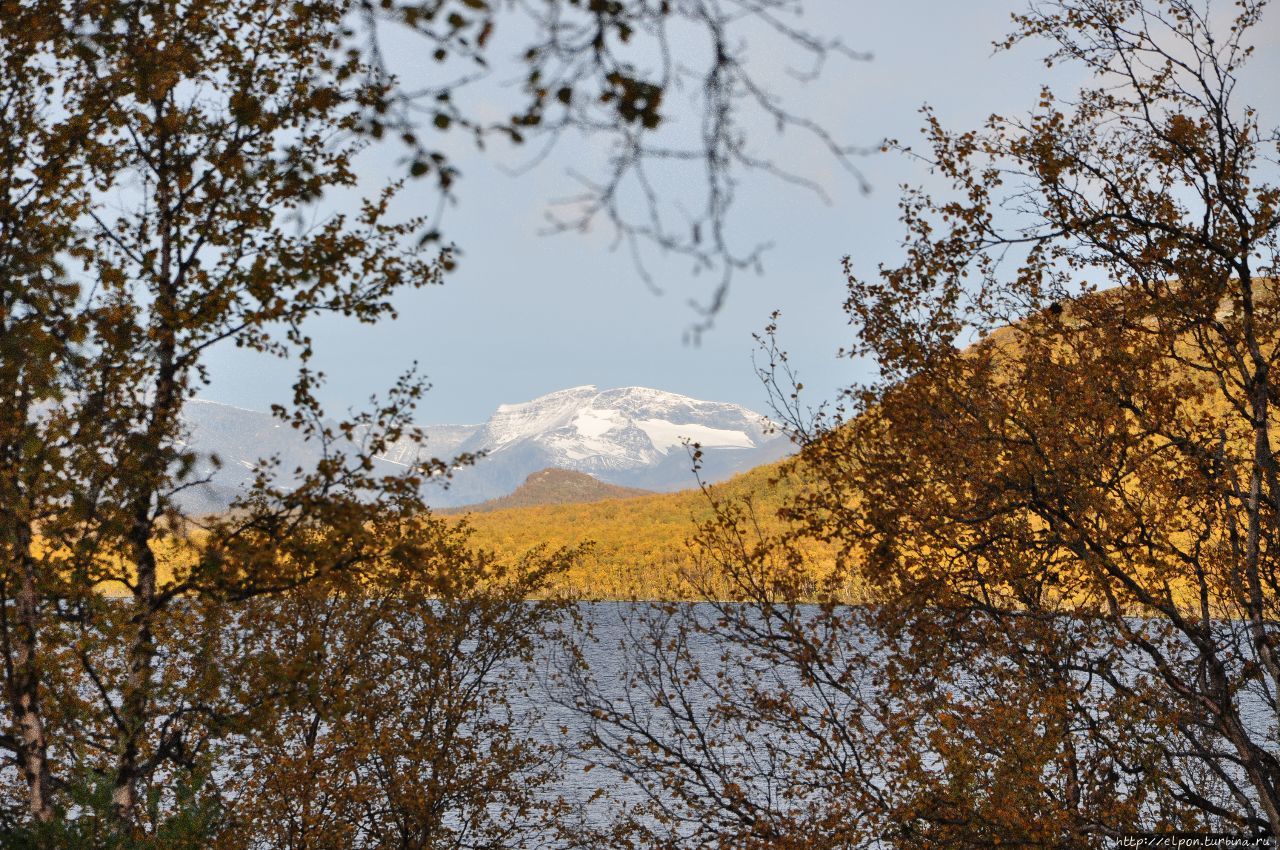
(527, 314)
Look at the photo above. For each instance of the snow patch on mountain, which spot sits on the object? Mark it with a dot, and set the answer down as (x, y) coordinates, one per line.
(668, 435)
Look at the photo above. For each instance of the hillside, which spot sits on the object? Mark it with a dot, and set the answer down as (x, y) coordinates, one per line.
(555, 486)
(638, 545)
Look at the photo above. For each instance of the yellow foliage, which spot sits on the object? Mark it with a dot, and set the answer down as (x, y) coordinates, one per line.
(638, 547)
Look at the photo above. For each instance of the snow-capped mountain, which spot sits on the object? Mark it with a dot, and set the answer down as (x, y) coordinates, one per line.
(593, 431)
(633, 436)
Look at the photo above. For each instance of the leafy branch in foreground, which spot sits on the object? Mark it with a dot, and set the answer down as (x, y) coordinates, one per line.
(155, 155)
(675, 92)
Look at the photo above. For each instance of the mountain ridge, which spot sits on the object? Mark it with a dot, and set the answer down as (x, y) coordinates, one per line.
(628, 437)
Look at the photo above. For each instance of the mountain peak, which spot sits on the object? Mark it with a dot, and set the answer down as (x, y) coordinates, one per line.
(552, 398)
(592, 430)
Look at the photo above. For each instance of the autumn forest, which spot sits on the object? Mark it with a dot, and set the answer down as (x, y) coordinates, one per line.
(1020, 587)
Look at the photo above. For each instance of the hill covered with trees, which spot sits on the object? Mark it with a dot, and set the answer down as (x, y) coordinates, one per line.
(555, 486)
(641, 546)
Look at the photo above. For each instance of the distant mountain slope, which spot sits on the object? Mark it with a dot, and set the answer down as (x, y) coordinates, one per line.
(555, 487)
(630, 437)
(239, 438)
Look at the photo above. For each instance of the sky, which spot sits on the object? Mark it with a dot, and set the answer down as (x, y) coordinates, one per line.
(526, 314)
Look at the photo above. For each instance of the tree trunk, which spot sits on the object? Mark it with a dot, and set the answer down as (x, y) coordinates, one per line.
(33, 746)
